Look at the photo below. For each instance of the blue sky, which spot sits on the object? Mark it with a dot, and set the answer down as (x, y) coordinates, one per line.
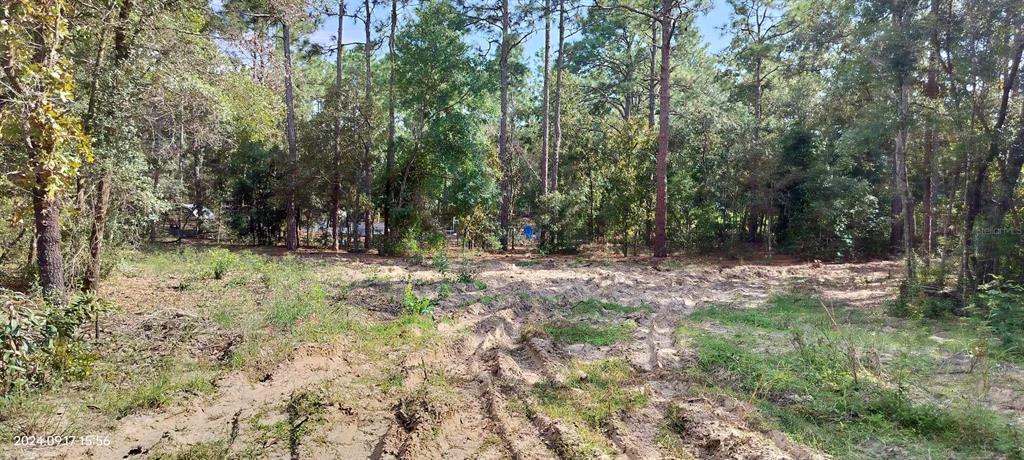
(709, 24)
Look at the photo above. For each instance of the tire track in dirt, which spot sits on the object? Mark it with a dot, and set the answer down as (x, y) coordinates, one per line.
(212, 419)
(491, 367)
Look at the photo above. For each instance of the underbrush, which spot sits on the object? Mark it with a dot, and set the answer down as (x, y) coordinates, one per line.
(851, 383)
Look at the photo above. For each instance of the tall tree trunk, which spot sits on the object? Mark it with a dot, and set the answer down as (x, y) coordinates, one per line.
(931, 142)
(503, 155)
(99, 221)
(973, 271)
(292, 235)
(545, 126)
(390, 163)
(1010, 175)
(900, 156)
(661, 167)
(92, 271)
(46, 209)
(900, 18)
(559, 67)
(652, 77)
(154, 226)
(336, 179)
(368, 141)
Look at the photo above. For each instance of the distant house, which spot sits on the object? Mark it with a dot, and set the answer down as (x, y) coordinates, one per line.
(194, 212)
(378, 228)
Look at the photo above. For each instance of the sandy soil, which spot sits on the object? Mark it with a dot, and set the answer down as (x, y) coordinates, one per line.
(489, 355)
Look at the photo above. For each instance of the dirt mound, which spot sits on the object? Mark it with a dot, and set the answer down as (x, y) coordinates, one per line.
(166, 333)
(718, 429)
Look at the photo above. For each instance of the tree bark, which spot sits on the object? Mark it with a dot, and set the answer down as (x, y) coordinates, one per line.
(931, 143)
(99, 222)
(903, 189)
(46, 209)
(503, 155)
(559, 67)
(292, 235)
(900, 18)
(545, 127)
(336, 180)
(390, 163)
(368, 141)
(661, 166)
(122, 51)
(154, 226)
(653, 75)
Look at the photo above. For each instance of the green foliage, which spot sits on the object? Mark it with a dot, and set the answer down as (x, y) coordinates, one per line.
(41, 344)
(38, 89)
(19, 358)
(564, 217)
(223, 261)
(440, 261)
(1004, 303)
(444, 290)
(416, 305)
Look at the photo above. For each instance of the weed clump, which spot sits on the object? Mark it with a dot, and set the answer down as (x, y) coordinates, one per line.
(416, 305)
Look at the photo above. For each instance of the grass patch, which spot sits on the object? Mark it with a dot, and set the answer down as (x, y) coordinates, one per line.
(592, 307)
(169, 385)
(599, 335)
(595, 392)
(212, 450)
(811, 388)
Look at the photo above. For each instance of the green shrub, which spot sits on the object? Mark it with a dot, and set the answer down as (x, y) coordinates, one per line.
(222, 261)
(1004, 303)
(19, 361)
(414, 304)
(440, 261)
(40, 343)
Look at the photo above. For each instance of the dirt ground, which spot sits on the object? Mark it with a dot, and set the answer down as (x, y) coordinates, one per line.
(466, 394)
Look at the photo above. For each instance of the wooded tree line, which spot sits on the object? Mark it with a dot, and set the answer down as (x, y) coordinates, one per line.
(835, 130)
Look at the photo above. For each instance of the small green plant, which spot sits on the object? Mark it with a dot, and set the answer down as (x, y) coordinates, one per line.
(440, 261)
(444, 290)
(222, 261)
(910, 303)
(414, 304)
(40, 343)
